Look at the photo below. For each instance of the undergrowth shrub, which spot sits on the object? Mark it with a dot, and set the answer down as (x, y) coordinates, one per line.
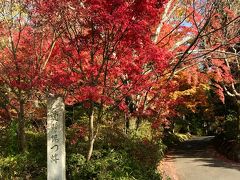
(116, 156)
(29, 165)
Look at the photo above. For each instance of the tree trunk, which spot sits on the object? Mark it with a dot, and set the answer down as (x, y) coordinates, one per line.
(91, 135)
(138, 123)
(127, 123)
(238, 121)
(21, 128)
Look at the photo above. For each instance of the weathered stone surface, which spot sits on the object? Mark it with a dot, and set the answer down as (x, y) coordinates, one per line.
(56, 154)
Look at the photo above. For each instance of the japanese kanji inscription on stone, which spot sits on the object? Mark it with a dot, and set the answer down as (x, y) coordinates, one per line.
(56, 154)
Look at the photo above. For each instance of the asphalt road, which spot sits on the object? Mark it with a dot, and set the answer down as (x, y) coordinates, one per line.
(193, 160)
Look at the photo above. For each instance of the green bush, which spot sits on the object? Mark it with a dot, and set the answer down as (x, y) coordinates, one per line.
(21, 166)
(171, 139)
(110, 165)
(230, 148)
(230, 127)
(9, 139)
(116, 156)
(31, 164)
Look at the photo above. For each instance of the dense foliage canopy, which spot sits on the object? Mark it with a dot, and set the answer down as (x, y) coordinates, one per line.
(118, 62)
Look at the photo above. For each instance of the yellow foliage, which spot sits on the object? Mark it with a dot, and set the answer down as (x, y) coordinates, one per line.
(187, 92)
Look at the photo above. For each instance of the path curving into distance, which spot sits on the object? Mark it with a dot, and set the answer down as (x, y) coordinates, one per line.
(196, 160)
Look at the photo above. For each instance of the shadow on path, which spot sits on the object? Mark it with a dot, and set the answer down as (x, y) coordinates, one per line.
(201, 149)
(196, 159)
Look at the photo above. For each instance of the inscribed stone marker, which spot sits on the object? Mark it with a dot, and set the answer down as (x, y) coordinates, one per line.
(56, 154)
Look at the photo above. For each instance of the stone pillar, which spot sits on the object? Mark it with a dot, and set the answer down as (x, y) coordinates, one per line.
(56, 154)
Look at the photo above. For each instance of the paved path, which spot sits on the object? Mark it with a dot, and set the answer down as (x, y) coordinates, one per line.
(194, 160)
